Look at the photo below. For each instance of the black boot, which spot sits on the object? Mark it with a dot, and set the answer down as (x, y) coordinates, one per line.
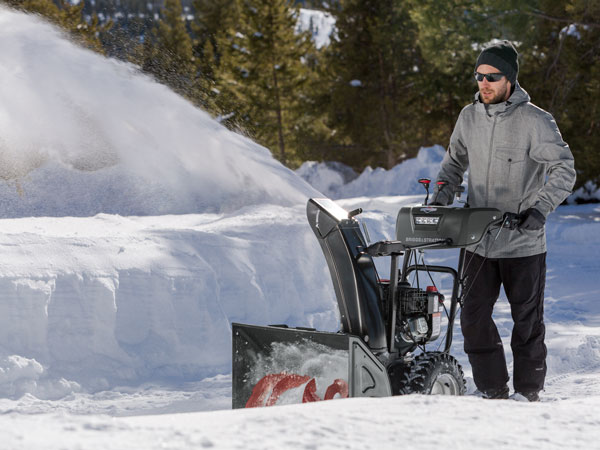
(533, 396)
(498, 393)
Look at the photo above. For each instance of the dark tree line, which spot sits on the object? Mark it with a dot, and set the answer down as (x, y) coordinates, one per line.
(394, 77)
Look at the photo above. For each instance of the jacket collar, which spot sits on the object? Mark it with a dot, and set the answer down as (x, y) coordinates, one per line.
(518, 96)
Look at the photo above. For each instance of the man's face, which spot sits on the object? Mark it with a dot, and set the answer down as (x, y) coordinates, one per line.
(492, 92)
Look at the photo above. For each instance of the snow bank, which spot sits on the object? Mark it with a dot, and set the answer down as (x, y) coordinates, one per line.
(588, 193)
(330, 178)
(326, 177)
(81, 134)
(108, 300)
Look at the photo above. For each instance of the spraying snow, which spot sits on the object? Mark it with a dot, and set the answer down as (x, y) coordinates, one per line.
(81, 134)
(309, 359)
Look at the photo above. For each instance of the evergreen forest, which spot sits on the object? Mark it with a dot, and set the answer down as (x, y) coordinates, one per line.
(393, 78)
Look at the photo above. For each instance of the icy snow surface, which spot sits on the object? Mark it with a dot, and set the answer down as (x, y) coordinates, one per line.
(150, 238)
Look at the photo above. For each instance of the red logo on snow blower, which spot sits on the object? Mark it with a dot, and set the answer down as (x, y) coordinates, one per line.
(270, 388)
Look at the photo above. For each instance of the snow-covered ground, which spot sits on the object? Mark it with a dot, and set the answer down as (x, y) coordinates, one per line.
(125, 262)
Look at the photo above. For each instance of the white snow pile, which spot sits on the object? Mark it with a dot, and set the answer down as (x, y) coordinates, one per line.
(327, 177)
(81, 134)
(402, 179)
(320, 24)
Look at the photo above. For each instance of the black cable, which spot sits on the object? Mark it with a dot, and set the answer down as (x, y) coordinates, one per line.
(407, 330)
(416, 271)
(485, 258)
(445, 335)
(427, 270)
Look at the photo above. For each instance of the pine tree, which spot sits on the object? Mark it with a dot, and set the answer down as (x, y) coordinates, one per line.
(263, 75)
(373, 68)
(212, 19)
(450, 36)
(561, 69)
(168, 53)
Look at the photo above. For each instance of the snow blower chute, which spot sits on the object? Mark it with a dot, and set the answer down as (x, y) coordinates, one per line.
(385, 324)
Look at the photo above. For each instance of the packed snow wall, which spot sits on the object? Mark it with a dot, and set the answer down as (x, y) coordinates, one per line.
(93, 303)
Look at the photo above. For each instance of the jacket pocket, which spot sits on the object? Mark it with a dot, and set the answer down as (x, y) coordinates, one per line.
(510, 163)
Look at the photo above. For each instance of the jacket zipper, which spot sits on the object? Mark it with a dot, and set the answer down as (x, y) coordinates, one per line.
(487, 181)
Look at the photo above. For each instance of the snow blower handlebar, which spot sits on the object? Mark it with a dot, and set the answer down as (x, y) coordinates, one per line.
(511, 220)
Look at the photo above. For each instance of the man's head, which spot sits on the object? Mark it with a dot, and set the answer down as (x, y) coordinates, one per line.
(499, 58)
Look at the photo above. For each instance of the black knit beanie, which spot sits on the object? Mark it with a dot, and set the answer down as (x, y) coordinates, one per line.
(503, 57)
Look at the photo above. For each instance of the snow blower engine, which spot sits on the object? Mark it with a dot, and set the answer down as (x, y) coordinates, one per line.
(386, 324)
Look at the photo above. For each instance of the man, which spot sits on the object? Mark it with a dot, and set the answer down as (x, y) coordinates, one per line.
(518, 162)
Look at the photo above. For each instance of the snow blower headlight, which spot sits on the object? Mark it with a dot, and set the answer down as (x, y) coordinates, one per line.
(427, 220)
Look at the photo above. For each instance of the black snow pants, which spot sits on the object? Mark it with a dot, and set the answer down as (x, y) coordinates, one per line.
(524, 281)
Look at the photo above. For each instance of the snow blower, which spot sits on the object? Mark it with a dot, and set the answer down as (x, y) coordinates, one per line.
(386, 324)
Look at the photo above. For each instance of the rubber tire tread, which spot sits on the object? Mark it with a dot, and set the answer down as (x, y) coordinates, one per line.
(420, 375)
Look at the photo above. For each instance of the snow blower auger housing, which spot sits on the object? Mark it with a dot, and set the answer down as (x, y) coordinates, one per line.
(382, 321)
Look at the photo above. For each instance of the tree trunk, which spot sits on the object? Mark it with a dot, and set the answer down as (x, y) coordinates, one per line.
(282, 156)
(384, 114)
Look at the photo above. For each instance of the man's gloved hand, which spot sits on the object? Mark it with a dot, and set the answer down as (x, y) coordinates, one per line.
(531, 219)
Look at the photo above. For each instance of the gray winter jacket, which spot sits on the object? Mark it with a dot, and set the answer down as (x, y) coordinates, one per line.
(516, 159)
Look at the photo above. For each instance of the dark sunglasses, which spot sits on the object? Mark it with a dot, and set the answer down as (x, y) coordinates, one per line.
(491, 77)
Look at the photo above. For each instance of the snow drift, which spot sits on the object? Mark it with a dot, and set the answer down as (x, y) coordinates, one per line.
(81, 134)
(338, 181)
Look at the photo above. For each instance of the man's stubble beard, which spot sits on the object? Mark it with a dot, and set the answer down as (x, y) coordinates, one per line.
(498, 98)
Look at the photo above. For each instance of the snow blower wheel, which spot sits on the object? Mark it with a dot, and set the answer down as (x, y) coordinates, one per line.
(432, 373)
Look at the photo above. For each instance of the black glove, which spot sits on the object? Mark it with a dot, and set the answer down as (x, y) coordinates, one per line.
(531, 219)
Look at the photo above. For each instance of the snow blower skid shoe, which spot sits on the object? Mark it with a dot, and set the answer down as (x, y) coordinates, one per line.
(385, 324)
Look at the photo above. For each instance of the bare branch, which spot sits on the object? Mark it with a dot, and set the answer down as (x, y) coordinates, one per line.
(544, 16)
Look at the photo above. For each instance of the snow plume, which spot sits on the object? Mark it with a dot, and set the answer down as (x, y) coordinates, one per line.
(306, 358)
(81, 134)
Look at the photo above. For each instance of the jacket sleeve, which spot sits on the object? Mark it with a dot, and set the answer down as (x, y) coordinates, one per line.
(454, 165)
(548, 147)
